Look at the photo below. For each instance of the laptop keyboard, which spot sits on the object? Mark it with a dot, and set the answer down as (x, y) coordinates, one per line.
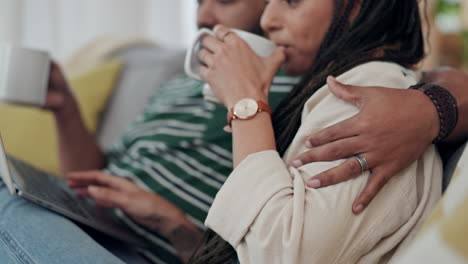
(34, 181)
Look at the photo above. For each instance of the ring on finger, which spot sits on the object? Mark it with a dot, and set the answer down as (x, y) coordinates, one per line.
(362, 161)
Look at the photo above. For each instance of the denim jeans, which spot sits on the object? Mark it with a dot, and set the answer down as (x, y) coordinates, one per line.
(30, 234)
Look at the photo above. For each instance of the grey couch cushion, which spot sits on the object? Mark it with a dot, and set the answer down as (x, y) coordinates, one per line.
(451, 165)
(145, 69)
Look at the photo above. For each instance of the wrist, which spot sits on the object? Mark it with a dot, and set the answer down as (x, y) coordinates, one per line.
(246, 109)
(235, 99)
(430, 113)
(184, 236)
(445, 106)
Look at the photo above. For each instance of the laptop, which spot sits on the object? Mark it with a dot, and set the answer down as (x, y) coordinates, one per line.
(53, 193)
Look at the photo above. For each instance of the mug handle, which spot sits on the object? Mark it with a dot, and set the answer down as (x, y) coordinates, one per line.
(191, 56)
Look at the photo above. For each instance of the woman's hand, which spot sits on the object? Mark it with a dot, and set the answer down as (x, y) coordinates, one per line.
(233, 70)
(145, 207)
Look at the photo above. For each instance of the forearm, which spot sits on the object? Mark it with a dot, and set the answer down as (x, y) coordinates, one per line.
(252, 136)
(78, 148)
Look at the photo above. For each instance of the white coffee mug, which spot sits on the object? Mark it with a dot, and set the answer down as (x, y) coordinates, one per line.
(262, 46)
(24, 75)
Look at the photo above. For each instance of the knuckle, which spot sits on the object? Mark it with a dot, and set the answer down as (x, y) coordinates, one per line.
(334, 177)
(215, 64)
(315, 140)
(320, 137)
(329, 134)
(224, 51)
(201, 54)
(101, 193)
(308, 156)
(354, 166)
(126, 201)
(335, 152)
(366, 124)
(100, 177)
(337, 175)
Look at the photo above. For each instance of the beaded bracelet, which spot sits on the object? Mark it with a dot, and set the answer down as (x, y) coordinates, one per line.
(446, 106)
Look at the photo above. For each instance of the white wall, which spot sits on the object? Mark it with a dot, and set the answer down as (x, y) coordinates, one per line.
(61, 26)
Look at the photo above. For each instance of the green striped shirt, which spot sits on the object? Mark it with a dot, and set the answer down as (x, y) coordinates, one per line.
(177, 149)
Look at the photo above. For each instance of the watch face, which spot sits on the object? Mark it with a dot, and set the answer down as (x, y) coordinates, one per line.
(245, 108)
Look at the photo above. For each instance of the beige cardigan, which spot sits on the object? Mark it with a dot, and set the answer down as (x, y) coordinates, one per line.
(269, 215)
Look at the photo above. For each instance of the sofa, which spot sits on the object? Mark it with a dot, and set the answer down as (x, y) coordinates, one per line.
(146, 66)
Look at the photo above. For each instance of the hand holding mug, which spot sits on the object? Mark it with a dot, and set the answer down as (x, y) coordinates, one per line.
(23, 75)
(259, 46)
(235, 63)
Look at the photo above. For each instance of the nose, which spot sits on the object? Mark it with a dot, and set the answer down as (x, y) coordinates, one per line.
(270, 21)
(206, 15)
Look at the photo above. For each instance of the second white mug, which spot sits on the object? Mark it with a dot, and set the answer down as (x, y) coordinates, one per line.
(24, 75)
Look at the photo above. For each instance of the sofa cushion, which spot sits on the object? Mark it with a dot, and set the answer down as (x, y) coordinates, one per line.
(146, 68)
(450, 166)
(443, 238)
(29, 133)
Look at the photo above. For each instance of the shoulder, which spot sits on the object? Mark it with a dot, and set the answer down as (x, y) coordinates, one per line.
(378, 73)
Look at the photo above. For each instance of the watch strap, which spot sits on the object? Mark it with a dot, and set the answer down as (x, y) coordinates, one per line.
(262, 107)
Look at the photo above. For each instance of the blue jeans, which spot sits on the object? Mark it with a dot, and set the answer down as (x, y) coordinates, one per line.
(30, 234)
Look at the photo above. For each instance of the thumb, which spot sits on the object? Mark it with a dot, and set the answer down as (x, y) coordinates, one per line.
(345, 92)
(277, 58)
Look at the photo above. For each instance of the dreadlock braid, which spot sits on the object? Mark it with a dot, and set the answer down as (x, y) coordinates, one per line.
(384, 30)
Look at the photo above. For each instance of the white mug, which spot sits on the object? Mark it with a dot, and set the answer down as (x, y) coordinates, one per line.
(262, 46)
(24, 75)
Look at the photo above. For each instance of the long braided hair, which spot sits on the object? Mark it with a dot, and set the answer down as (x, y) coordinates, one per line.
(384, 30)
